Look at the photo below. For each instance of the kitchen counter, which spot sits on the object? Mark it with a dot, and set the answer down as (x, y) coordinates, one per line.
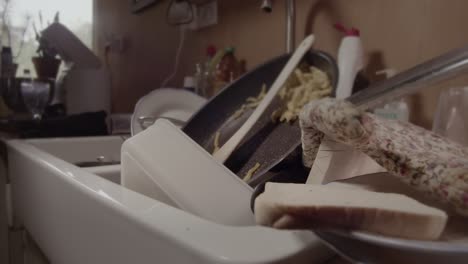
(80, 125)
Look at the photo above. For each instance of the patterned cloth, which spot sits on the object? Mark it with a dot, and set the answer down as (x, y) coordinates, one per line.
(418, 157)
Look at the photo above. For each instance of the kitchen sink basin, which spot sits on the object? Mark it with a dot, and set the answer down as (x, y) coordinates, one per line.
(87, 164)
(83, 215)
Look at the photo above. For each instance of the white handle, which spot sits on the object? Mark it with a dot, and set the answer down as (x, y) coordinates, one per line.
(226, 150)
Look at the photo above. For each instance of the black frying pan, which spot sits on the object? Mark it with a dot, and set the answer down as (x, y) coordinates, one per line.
(267, 143)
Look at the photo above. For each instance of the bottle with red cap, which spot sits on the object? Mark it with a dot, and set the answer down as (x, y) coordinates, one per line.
(350, 60)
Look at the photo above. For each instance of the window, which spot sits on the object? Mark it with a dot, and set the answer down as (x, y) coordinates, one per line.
(77, 15)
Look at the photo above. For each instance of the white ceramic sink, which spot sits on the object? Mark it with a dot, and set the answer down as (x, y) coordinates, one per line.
(82, 215)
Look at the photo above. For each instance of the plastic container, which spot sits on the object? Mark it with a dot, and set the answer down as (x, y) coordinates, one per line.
(228, 69)
(397, 110)
(163, 163)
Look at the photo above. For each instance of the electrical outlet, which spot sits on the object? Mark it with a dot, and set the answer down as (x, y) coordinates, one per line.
(204, 15)
(115, 43)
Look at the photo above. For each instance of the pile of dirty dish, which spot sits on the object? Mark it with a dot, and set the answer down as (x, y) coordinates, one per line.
(407, 189)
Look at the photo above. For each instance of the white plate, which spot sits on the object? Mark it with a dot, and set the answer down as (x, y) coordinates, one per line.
(166, 102)
(361, 247)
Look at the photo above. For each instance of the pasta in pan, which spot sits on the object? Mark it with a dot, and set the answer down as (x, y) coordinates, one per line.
(302, 87)
(306, 84)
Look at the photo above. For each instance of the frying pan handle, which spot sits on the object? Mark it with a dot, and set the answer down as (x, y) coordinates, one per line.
(440, 68)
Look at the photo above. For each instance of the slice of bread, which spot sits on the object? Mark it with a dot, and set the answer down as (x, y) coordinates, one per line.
(306, 206)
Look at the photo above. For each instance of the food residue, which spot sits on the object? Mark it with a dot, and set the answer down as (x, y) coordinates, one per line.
(308, 83)
(216, 142)
(250, 103)
(250, 173)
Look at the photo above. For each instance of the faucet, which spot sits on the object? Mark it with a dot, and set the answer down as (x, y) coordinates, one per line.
(290, 25)
(267, 6)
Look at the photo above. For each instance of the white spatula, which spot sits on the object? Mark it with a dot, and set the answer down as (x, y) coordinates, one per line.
(226, 150)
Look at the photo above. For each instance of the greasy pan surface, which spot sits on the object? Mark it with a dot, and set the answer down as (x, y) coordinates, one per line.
(267, 143)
